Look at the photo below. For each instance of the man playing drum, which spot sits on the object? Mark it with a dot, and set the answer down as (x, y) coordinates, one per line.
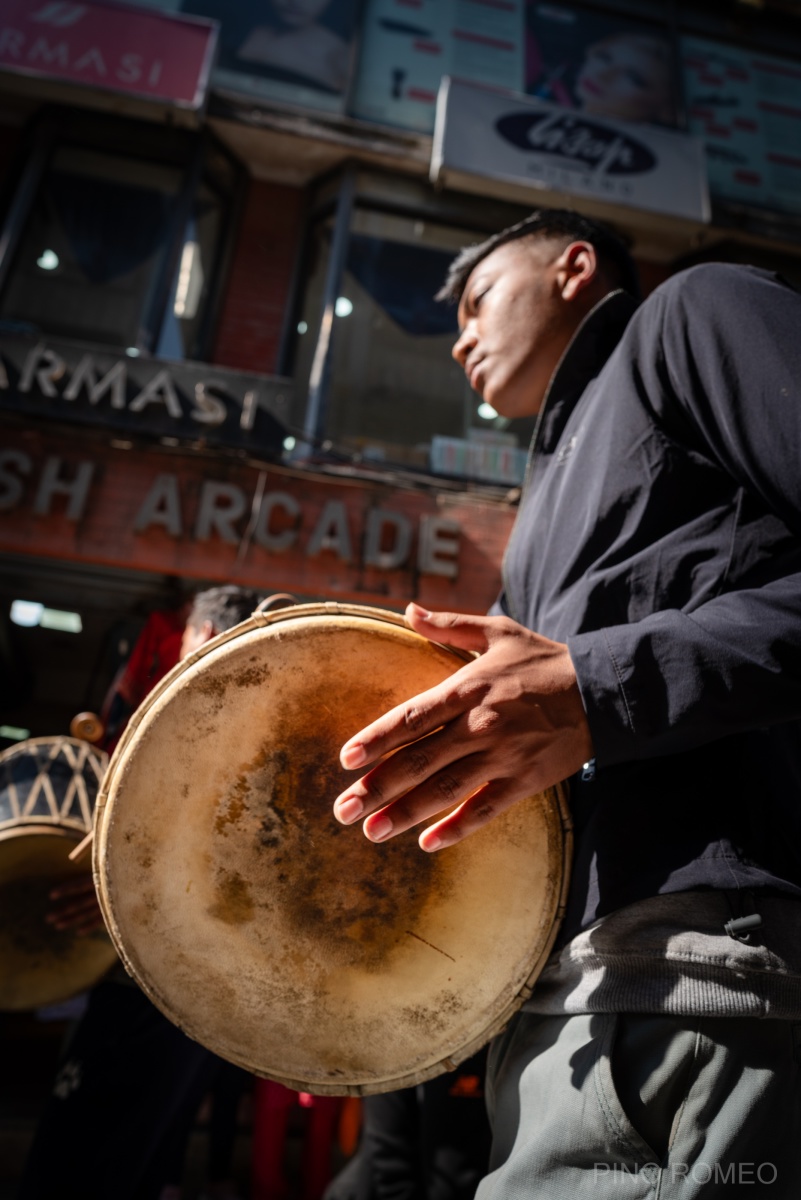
(647, 648)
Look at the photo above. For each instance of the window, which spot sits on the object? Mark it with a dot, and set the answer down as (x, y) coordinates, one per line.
(121, 245)
(392, 391)
(185, 318)
(92, 248)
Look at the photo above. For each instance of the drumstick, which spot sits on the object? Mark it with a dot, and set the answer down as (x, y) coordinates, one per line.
(89, 728)
(83, 848)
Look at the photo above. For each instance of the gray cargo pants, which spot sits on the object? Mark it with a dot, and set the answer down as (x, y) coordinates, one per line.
(610, 1107)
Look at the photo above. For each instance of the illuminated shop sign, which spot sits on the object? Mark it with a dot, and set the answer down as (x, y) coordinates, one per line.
(188, 401)
(484, 137)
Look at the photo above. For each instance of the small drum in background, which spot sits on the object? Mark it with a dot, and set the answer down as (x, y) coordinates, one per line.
(48, 787)
(280, 939)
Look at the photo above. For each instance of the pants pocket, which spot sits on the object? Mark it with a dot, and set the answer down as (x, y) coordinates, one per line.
(645, 1068)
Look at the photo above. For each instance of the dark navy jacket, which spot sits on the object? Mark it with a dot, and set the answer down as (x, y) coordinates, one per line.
(659, 535)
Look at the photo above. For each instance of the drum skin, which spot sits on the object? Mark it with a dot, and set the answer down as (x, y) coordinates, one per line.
(47, 793)
(278, 938)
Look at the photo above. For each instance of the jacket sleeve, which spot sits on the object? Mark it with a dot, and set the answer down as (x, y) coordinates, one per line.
(726, 382)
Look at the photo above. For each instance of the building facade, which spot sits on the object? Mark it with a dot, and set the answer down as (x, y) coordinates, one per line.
(222, 229)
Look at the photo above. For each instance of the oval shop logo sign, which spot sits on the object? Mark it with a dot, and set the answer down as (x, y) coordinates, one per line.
(576, 142)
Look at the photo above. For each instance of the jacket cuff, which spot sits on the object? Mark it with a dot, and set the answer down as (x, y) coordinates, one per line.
(603, 676)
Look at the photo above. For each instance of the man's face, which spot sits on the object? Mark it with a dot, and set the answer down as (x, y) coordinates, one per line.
(515, 325)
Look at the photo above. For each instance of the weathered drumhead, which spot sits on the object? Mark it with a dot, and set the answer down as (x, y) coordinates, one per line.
(278, 938)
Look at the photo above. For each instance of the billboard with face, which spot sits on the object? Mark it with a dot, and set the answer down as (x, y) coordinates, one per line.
(605, 66)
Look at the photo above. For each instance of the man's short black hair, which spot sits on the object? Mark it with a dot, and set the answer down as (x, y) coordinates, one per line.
(546, 223)
(223, 607)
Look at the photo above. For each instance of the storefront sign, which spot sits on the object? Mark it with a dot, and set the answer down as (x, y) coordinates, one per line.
(486, 135)
(146, 54)
(747, 107)
(216, 518)
(495, 457)
(188, 401)
(406, 49)
(280, 523)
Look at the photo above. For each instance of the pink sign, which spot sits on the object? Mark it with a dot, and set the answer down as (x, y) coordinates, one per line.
(131, 50)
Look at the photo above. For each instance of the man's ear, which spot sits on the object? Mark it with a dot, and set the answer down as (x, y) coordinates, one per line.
(577, 269)
(207, 632)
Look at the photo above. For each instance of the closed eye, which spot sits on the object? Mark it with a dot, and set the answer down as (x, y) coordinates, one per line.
(477, 297)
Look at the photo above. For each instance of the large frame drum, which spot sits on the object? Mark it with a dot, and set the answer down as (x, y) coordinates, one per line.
(278, 938)
(48, 787)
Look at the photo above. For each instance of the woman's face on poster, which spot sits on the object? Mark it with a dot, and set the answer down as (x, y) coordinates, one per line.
(627, 76)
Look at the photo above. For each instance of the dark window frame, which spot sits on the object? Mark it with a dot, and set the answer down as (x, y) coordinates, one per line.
(190, 150)
(338, 194)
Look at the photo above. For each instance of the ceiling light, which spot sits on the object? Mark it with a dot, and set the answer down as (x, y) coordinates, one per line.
(65, 622)
(48, 260)
(26, 612)
(14, 733)
(30, 613)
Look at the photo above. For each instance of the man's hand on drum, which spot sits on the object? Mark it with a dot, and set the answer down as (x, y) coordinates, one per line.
(507, 725)
(76, 906)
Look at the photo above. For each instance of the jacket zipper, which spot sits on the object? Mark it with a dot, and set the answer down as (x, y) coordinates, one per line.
(532, 449)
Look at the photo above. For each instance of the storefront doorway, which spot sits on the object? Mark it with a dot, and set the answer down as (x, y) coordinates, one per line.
(65, 631)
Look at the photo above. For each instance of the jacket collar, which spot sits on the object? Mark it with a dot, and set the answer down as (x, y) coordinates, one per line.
(585, 355)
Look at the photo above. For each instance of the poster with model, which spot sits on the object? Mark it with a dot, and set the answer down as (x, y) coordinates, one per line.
(296, 51)
(407, 49)
(612, 67)
(747, 107)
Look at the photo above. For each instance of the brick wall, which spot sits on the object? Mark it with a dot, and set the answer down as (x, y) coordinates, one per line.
(253, 307)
